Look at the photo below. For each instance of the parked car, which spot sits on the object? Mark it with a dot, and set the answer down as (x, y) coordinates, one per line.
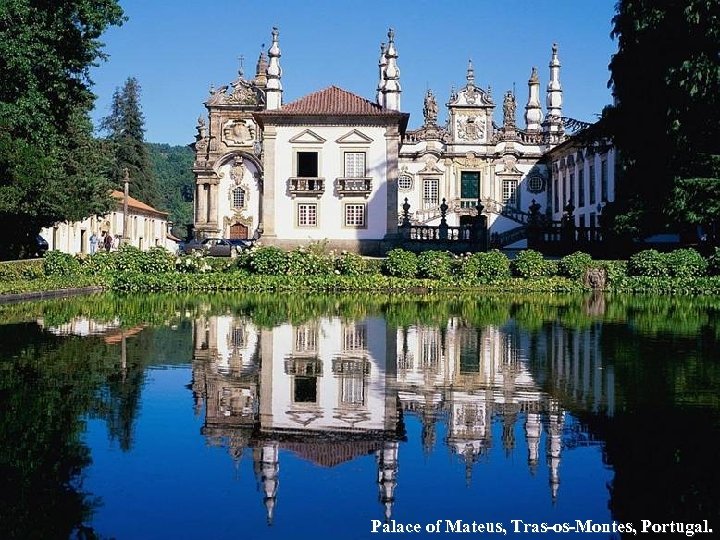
(41, 246)
(218, 247)
(192, 245)
(241, 244)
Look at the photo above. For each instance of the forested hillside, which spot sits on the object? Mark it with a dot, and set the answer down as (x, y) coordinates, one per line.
(173, 171)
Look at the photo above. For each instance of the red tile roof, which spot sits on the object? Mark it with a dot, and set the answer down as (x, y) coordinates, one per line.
(332, 101)
(133, 203)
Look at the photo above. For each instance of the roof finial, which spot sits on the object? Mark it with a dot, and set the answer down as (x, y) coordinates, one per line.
(391, 75)
(274, 73)
(241, 69)
(470, 73)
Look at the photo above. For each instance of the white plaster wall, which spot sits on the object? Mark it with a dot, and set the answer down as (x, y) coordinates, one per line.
(68, 236)
(587, 209)
(252, 197)
(331, 166)
(329, 344)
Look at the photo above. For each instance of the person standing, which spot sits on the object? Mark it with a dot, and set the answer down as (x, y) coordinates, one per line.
(93, 243)
(107, 241)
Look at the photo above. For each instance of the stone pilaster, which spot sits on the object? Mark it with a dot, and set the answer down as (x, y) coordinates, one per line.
(268, 201)
(392, 149)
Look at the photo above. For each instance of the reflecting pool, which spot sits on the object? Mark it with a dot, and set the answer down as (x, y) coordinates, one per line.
(272, 416)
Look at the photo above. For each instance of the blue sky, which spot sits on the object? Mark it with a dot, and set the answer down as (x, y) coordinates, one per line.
(177, 48)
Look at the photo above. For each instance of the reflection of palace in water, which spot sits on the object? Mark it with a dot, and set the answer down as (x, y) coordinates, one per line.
(332, 390)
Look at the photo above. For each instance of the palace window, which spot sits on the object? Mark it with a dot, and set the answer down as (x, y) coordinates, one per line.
(354, 338)
(405, 182)
(509, 192)
(306, 338)
(535, 184)
(354, 164)
(307, 164)
(307, 215)
(603, 181)
(238, 337)
(591, 188)
(469, 185)
(238, 197)
(431, 192)
(305, 389)
(355, 215)
(571, 196)
(581, 188)
(556, 195)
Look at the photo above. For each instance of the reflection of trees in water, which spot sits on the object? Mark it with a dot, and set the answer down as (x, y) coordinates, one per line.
(47, 385)
(666, 406)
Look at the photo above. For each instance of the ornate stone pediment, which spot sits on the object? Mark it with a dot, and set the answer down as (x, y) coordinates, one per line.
(509, 164)
(470, 161)
(241, 92)
(431, 167)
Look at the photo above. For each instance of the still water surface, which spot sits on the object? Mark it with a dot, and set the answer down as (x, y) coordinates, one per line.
(323, 417)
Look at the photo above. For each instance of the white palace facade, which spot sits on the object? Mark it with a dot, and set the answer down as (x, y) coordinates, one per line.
(338, 167)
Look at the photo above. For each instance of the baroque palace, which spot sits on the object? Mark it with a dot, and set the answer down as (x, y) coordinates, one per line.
(338, 167)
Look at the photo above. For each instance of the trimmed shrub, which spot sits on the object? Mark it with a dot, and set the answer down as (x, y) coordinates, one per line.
(351, 264)
(649, 262)
(530, 264)
(686, 263)
(21, 270)
(714, 263)
(156, 260)
(302, 262)
(494, 265)
(59, 264)
(99, 263)
(487, 267)
(268, 260)
(434, 264)
(574, 265)
(401, 263)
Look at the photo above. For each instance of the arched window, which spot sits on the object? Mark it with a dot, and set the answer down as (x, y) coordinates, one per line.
(238, 197)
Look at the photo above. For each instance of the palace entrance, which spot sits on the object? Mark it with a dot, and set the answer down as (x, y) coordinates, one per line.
(238, 232)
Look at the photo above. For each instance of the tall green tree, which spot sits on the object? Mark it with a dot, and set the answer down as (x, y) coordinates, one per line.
(51, 168)
(125, 127)
(666, 121)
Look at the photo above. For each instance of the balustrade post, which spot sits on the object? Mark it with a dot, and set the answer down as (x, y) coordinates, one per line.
(443, 229)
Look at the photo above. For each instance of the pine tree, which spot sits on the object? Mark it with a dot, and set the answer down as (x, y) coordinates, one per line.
(125, 127)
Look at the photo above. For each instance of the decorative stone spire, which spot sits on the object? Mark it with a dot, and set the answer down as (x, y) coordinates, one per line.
(554, 92)
(382, 63)
(269, 468)
(274, 74)
(470, 74)
(391, 77)
(387, 460)
(533, 432)
(533, 111)
(556, 420)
